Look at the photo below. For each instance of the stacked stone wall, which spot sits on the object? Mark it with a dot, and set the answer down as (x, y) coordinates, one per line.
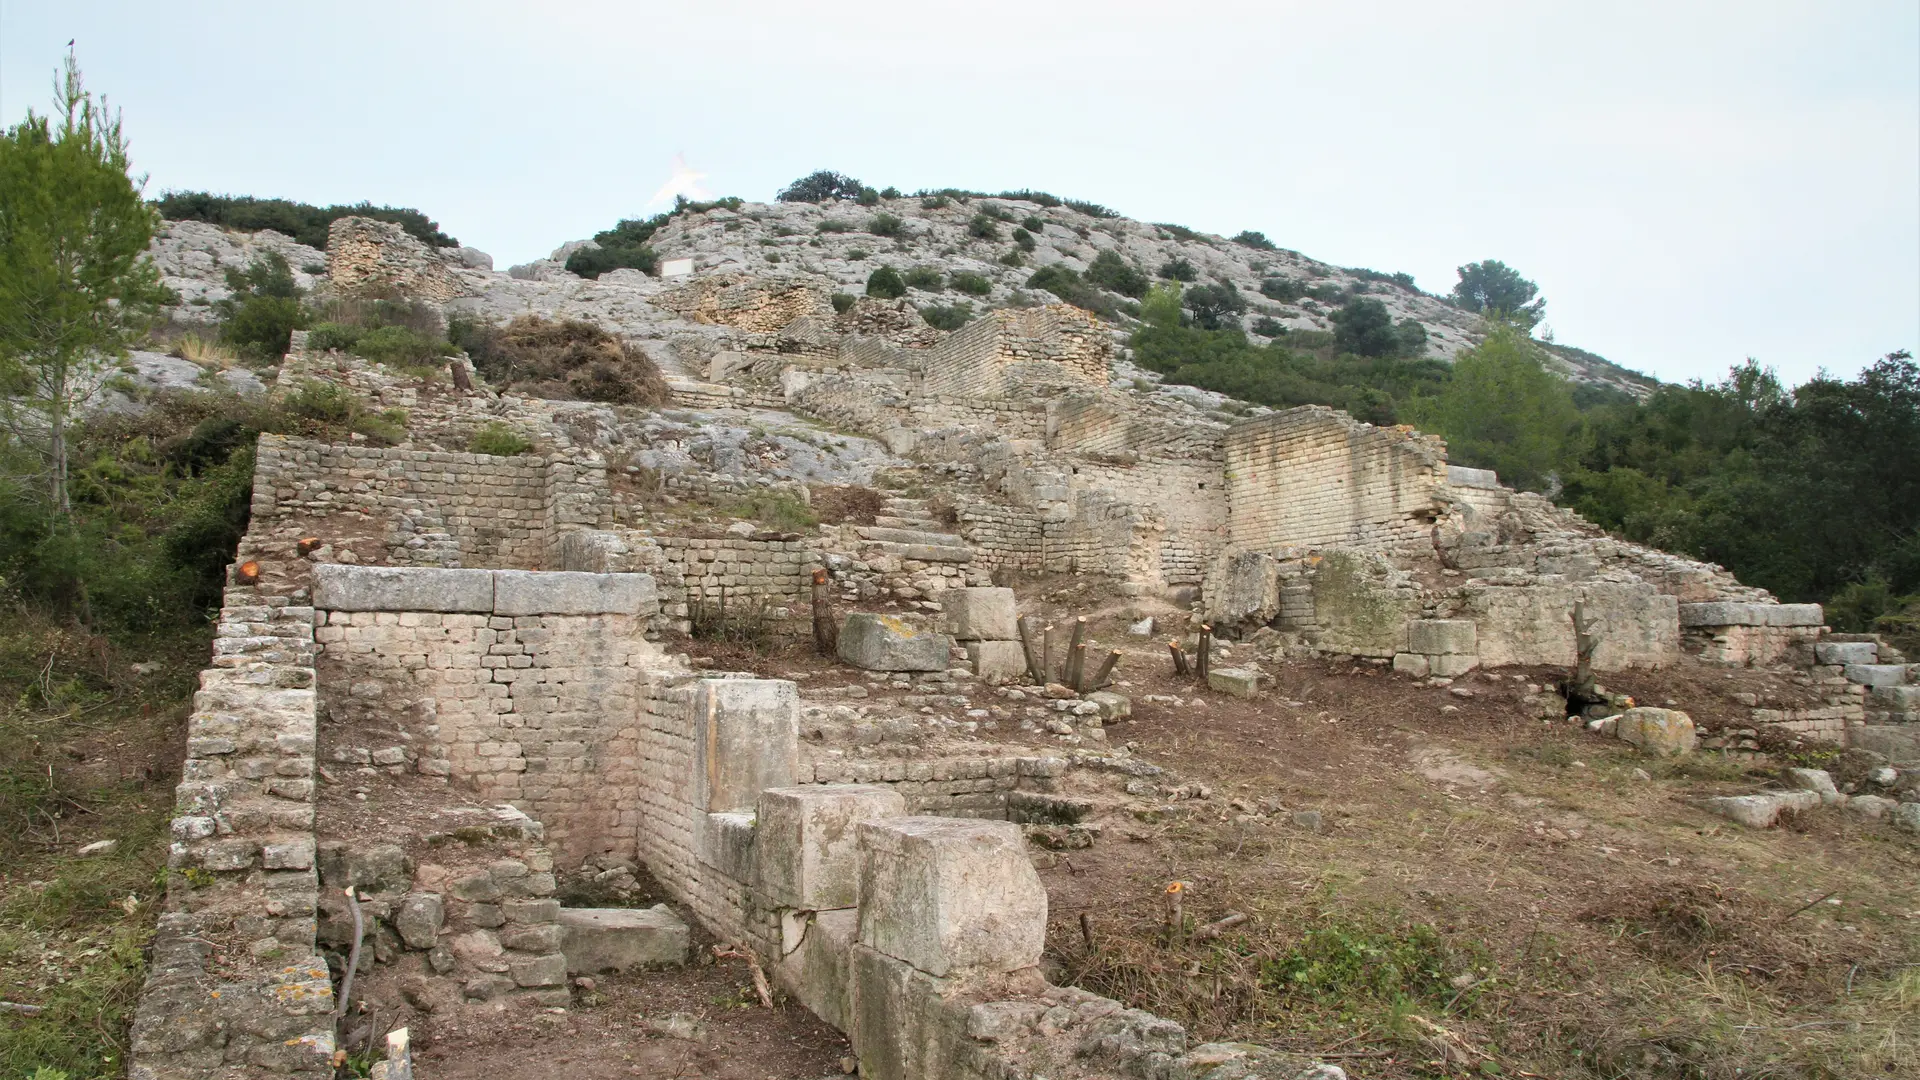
(1313, 476)
(773, 578)
(756, 305)
(378, 258)
(1054, 346)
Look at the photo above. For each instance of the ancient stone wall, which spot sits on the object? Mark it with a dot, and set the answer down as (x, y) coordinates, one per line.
(1055, 347)
(377, 258)
(754, 304)
(757, 578)
(1313, 476)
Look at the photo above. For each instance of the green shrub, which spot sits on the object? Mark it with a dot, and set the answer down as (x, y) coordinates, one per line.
(886, 284)
(947, 316)
(499, 440)
(1180, 232)
(1034, 224)
(1109, 271)
(968, 282)
(857, 254)
(885, 225)
(1013, 257)
(323, 401)
(1284, 289)
(592, 262)
(1329, 294)
(1215, 306)
(1179, 270)
(1062, 282)
(927, 278)
(889, 192)
(1267, 326)
(841, 302)
(1364, 327)
(996, 212)
(934, 202)
(264, 309)
(401, 347)
(781, 510)
(1256, 240)
(982, 227)
(867, 197)
(306, 223)
(1091, 209)
(329, 336)
(1339, 961)
(822, 186)
(564, 359)
(773, 256)
(1023, 239)
(836, 225)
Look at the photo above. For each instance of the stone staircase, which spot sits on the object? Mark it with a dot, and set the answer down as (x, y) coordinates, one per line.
(909, 530)
(1891, 687)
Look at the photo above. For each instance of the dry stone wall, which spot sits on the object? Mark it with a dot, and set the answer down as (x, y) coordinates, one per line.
(377, 258)
(1316, 477)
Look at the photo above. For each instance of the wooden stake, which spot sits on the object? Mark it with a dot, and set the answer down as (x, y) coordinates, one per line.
(1086, 932)
(1035, 666)
(1179, 659)
(1105, 674)
(1077, 668)
(824, 630)
(1073, 647)
(1176, 911)
(1046, 655)
(1203, 657)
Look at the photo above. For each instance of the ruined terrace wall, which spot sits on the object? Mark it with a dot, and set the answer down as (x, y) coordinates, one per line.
(378, 258)
(1316, 477)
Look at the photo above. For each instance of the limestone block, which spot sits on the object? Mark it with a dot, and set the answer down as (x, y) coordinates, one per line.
(1240, 682)
(1795, 615)
(1897, 742)
(997, 662)
(892, 643)
(1414, 664)
(1452, 665)
(419, 919)
(813, 968)
(1723, 613)
(747, 738)
(1244, 586)
(1433, 636)
(1761, 811)
(530, 971)
(558, 592)
(727, 843)
(338, 587)
(950, 894)
(980, 614)
(1667, 732)
(1818, 781)
(900, 1022)
(1894, 698)
(1112, 706)
(596, 940)
(1871, 806)
(1877, 674)
(1846, 652)
(808, 851)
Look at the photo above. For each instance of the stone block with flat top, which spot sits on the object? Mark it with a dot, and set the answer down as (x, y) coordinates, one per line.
(949, 895)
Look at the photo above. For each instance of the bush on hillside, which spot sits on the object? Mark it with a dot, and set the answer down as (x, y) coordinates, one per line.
(822, 186)
(968, 282)
(264, 310)
(1062, 282)
(499, 440)
(1023, 239)
(565, 359)
(1179, 270)
(947, 316)
(1034, 224)
(1256, 240)
(886, 284)
(842, 302)
(1284, 289)
(836, 225)
(307, 224)
(1365, 327)
(1109, 271)
(885, 225)
(982, 227)
(1215, 306)
(928, 278)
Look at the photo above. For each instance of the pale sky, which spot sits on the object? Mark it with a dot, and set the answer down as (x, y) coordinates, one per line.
(1690, 184)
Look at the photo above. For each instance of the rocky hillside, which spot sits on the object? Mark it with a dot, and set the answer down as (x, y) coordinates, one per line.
(973, 254)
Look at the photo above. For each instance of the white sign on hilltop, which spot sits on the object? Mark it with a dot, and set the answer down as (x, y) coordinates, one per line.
(676, 267)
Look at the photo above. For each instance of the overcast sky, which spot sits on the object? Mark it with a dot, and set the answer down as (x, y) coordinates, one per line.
(1690, 183)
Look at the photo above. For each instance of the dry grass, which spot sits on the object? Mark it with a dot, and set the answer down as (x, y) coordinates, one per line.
(849, 504)
(205, 350)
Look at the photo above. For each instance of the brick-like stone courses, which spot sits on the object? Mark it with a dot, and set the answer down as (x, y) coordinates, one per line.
(379, 258)
(241, 867)
(437, 508)
(1313, 476)
(533, 710)
(778, 573)
(957, 787)
(1054, 347)
(754, 304)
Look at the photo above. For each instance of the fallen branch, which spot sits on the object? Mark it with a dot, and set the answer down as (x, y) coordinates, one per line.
(741, 952)
(20, 1009)
(1220, 926)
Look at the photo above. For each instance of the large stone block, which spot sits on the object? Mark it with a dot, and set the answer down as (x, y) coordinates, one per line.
(1846, 652)
(1762, 811)
(1894, 698)
(1723, 613)
(1877, 674)
(1243, 586)
(1240, 682)
(597, 940)
(997, 662)
(1795, 615)
(901, 1023)
(560, 592)
(727, 843)
(979, 614)
(747, 738)
(1898, 742)
(338, 587)
(1434, 636)
(892, 643)
(950, 894)
(1667, 732)
(807, 848)
(813, 967)
(1452, 665)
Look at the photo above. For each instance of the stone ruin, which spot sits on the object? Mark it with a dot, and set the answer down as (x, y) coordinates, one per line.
(493, 634)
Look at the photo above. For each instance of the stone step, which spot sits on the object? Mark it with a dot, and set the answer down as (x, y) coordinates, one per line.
(925, 552)
(908, 536)
(1899, 742)
(597, 940)
(900, 521)
(897, 503)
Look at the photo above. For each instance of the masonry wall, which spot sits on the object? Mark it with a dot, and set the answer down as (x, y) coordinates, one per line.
(432, 508)
(991, 356)
(1316, 477)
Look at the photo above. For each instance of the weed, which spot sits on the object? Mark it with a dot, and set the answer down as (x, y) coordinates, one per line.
(782, 511)
(498, 439)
